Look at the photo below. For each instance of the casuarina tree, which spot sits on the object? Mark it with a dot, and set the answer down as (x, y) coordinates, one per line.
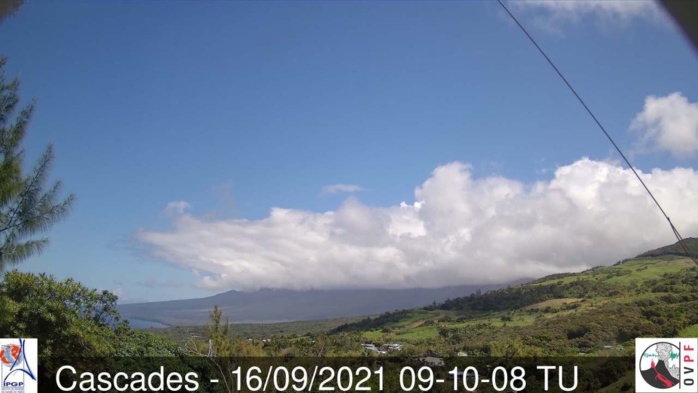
(29, 202)
(9, 8)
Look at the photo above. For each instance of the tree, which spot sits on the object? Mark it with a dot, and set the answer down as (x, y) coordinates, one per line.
(75, 325)
(219, 334)
(219, 348)
(9, 8)
(65, 316)
(28, 205)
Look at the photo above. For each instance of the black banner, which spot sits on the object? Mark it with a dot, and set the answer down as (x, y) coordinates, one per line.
(371, 374)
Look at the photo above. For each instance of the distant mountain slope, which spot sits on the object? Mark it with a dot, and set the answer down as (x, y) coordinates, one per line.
(674, 249)
(268, 305)
(285, 305)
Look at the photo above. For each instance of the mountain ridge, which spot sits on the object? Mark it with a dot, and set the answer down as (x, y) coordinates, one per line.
(674, 249)
(283, 305)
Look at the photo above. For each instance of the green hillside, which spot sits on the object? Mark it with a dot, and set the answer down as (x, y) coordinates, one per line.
(691, 244)
(599, 311)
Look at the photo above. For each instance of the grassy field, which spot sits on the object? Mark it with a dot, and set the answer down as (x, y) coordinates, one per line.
(553, 303)
(182, 334)
(691, 331)
(631, 271)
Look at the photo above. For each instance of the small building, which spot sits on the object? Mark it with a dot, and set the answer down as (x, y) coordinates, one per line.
(433, 361)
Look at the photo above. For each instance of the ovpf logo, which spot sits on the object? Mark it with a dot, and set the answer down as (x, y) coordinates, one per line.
(19, 363)
(666, 365)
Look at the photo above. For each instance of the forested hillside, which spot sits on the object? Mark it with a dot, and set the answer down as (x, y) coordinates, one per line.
(600, 310)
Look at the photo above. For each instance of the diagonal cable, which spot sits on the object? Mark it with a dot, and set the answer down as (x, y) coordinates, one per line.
(598, 123)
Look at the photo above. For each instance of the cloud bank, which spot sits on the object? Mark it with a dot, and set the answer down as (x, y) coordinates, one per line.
(554, 14)
(668, 123)
(458, 230)
(611, 9)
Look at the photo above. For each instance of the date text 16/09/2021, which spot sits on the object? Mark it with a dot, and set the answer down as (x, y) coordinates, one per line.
(410, 379)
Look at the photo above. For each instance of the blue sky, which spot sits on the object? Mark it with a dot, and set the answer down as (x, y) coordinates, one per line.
(239, 107)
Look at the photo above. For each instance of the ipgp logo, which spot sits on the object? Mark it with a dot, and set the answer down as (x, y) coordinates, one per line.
(19, 362)
(666, 365)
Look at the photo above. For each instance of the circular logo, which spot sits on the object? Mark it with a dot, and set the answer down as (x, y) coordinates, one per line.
(659, 365)
(9, 354)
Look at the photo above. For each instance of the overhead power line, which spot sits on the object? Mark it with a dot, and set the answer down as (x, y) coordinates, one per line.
(598, 123)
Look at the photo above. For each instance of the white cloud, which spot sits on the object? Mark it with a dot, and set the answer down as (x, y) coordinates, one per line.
(459, 230)
(555, 13)
(177, 207)
(669, 123)
(152, 283)
(336, 188)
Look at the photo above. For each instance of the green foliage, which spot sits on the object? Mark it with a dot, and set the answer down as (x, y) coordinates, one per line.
(71, 322)
(220, 342)
(372, 323)
(137, 343)
(526, 295)
(9, 8)
(675, 249)
(512, 347)
(28, 204)
(219, 334)
(65, 316)
(690, 331)
(182, 334)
